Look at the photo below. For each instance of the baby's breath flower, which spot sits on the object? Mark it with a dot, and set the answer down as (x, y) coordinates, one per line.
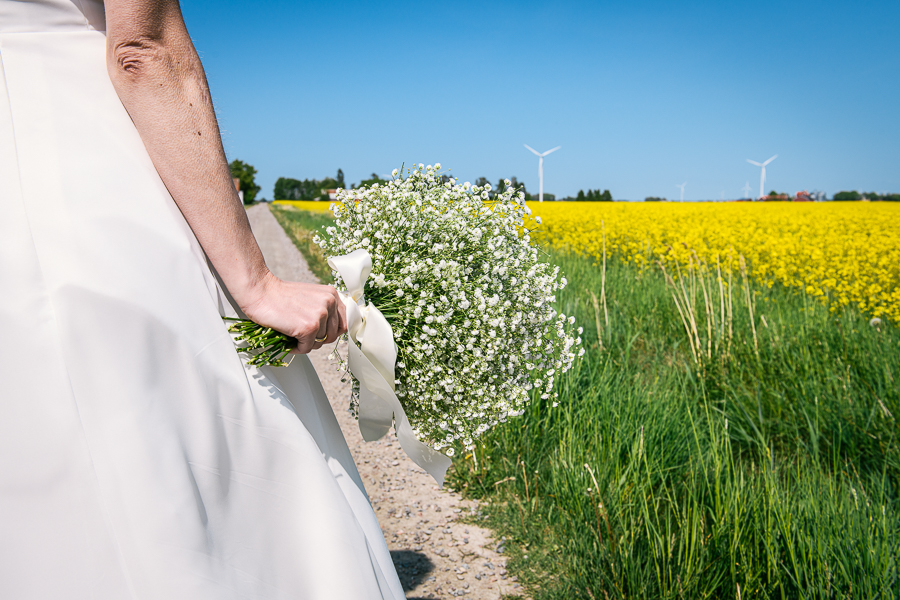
(467, 295)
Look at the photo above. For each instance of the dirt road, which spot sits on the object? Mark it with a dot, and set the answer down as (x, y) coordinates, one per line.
(436, 556)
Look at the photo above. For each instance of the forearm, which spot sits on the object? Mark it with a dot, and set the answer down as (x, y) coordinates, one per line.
(158, 76)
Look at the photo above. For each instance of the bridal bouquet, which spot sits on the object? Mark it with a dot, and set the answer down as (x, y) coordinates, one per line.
(450, 310)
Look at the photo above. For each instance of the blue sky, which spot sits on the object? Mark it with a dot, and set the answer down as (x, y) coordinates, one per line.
(641, 96)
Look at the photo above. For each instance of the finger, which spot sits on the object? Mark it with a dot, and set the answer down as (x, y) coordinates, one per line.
(307, 341)
(333, 324)
(342, 315)
(322, 332)
(304, 345)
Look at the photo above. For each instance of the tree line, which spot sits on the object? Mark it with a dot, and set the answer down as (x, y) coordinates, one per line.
(873, 196)
(287, 188)
(594, 196)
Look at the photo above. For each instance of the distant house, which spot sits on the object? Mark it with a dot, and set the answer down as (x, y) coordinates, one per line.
(332, 194)
(802, 196)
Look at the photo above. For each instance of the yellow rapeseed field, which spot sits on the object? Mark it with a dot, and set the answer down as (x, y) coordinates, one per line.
(846, 253)
(313, 205)
(843, 252)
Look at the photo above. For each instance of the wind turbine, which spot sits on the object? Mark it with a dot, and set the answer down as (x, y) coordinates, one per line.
(762, 175)
(746, 190)
(541, 168)
(682, 189)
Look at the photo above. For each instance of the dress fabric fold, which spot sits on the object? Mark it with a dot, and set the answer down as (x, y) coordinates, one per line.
(140, 456)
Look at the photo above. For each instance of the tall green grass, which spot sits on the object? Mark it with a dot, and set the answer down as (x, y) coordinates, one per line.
(769, 469)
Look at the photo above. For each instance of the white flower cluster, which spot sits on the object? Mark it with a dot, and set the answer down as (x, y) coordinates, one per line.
(468, 298)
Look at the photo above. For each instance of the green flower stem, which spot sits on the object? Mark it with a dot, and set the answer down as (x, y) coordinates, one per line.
(264, 345)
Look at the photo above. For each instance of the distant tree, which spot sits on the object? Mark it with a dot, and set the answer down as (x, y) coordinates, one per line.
(581, 195)
(605, 196)
(846, 196)
(514, 183)
(373, 179)
(340, 179)
(502, 187)
(246, 175)
(294, 189)
(876, 197)
(286, 189)
(654, 199)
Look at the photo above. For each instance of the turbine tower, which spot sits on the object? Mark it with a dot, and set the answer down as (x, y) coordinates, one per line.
(746, 190)
(762, 175)
(541, 168)
(682, 189)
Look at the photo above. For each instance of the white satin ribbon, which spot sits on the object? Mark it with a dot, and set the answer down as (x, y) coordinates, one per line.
(373, 357)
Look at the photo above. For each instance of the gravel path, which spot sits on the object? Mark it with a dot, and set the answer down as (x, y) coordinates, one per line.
(436, 556)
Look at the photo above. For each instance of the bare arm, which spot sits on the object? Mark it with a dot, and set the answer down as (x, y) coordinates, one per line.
(157, 74)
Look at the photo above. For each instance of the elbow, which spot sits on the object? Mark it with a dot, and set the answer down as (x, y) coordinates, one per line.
(130, 60)
(137, 65)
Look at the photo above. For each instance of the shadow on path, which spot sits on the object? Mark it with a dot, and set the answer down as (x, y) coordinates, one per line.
(412, 567)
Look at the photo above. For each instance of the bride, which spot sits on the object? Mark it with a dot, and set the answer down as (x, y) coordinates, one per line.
(139, 456)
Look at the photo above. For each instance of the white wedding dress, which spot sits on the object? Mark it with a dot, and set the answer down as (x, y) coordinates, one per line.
(140, 458)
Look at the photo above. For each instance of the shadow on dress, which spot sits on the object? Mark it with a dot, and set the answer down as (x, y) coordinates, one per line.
(412, 568)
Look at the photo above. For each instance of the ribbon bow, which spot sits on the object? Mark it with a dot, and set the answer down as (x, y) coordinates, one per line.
(373, 357)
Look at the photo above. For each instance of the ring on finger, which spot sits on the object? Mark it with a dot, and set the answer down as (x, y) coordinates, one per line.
(320, 340)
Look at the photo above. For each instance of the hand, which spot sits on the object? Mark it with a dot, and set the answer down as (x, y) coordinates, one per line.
(305, 311)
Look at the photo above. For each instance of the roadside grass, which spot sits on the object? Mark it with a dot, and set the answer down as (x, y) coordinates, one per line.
(766, 469)
(302, 226)
(733, 449)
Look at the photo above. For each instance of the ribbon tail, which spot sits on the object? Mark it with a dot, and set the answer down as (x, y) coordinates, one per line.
(378, 406)
(433, 462)
(375, 414)
(377, 343)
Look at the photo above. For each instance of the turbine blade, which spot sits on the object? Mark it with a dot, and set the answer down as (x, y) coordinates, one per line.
(753, 162)
(532, 149)
(770, 160)
(549, 151)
